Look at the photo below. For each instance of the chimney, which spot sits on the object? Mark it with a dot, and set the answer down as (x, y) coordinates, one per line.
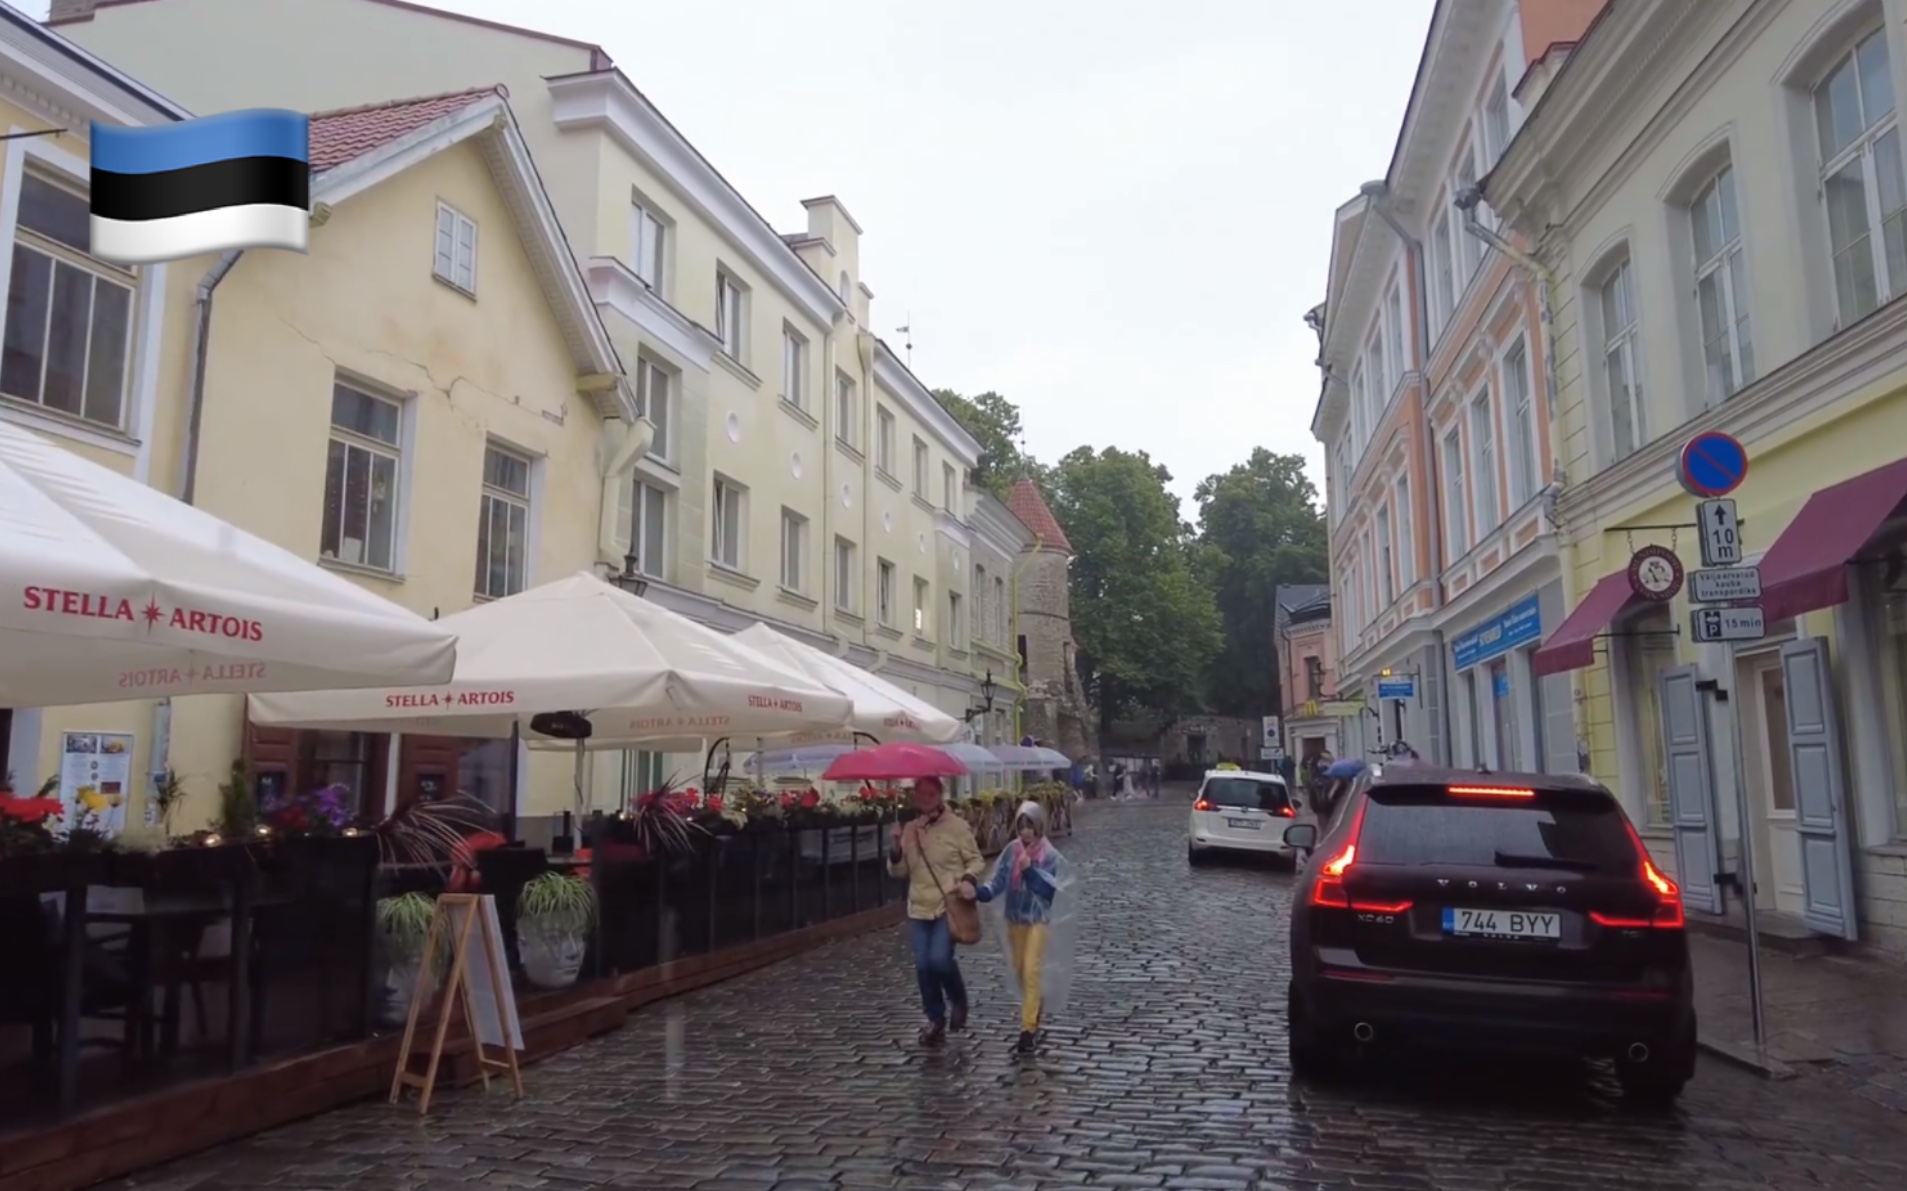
(66, 10)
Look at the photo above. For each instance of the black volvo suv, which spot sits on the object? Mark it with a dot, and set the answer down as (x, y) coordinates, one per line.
(1488, 912)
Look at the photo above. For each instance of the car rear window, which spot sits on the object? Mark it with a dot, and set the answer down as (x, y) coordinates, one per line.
(1428, 825)
(1245, 791)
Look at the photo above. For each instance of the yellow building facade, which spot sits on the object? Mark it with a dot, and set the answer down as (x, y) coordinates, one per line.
(799, 475)
(427, 402)
(1701, 282)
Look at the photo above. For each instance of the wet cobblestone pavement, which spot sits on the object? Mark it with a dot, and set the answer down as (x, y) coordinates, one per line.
(1170, 1073)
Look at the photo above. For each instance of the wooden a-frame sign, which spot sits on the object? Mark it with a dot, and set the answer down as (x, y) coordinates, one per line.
(478, 983)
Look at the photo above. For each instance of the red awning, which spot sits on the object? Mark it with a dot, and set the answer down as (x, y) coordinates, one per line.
(1806, 568)
(1573, 645)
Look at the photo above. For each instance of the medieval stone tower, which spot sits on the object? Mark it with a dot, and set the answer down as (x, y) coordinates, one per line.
(1056, 710)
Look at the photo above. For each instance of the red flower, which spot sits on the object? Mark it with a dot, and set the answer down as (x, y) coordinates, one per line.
(810, 798)
(31, 810)
(787, 800)
(714, 803)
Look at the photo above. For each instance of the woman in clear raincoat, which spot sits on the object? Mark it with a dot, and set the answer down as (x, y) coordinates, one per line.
(1030, 887)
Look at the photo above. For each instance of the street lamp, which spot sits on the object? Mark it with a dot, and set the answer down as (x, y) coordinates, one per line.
(986, 699)
(631, 579)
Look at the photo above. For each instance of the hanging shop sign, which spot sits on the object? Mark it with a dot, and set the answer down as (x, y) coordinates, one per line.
(1655, 574)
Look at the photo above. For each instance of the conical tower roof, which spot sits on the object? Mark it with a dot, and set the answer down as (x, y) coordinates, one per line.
(1026, 503)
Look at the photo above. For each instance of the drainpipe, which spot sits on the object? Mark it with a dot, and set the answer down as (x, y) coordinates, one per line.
(1545, 282)
(201, 346)
(1379, 195)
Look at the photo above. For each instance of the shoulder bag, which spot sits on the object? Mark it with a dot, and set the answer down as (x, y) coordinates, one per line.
(963, 916)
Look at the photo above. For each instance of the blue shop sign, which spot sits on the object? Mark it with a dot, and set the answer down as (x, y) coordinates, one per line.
(1519, 624)
(1397, 688)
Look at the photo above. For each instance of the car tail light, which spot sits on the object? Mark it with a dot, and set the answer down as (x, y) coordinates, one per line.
(1382, 907)
(1286, 812)
(1668, 910)
(1203, 804)
(1491, 792)
(1329, 891)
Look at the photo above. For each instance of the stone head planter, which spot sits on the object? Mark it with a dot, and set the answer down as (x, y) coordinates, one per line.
(403, 931)
(554, 915)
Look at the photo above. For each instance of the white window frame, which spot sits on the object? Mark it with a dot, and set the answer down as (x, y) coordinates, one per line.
(651, 552)
(846, 406)
(1861, 152)
(1519, 409)
(1495, 121)
(923, 608)
(1622, 357)
(100, 273)
(1727, 264)
(731, 316)
(982, 631)
(847, 576)
(454, 255)
(1406, 537)
(492, 497)
(1485, 508)
(794, 368)
(1368, 565)
(655, 393)
(1469, 249)
(398, 452)
(728, 548)
(1386, 559)
(885, 440)
(649, 254)
(1378, 373)
(886, 580)
(1360, 427)
(949, 487)
(1456, 494)
(794, 552)
(923, 466)
(955, 621)
(1443, 272)
(1394, 340)
(133, 438)
(1003, 619)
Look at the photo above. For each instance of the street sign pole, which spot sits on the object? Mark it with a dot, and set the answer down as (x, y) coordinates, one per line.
(1710, 467)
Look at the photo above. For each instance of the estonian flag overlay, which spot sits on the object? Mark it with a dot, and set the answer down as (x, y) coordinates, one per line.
(238, 180)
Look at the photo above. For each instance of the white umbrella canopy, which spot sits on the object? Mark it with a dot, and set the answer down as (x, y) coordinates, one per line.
(1030, 757)
(881, 709)
(641, 673)
(111, 590)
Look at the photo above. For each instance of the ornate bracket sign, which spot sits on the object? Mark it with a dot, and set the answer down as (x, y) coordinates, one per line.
(1655, 574)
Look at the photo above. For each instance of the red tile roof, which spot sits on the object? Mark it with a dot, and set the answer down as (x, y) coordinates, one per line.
(349, 133)
(1026, 503)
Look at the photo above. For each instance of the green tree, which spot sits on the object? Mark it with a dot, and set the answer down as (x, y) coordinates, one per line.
(1259, 527)
(1146, 623)
(995, 423)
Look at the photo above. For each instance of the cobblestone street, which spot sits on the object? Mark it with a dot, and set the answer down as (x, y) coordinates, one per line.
(1169, 1072)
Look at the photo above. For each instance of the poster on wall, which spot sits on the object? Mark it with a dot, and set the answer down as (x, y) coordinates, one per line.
(96, 779)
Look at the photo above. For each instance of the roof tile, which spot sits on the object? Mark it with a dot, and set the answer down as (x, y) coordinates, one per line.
(349, 133)
(1026, 503)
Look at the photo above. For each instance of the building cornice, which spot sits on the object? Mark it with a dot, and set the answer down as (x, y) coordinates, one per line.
(606, 100)
(1463, 34)
(905, 387)
(77, 81)
(1865, 357)
(1610, 85)
(615, 287)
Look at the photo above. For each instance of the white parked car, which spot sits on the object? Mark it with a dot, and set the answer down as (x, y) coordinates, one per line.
(1240, 811)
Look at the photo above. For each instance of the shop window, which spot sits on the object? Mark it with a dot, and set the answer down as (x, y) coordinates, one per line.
(1893, 634)
(344, 759)
(1646, 647)
(484, 772)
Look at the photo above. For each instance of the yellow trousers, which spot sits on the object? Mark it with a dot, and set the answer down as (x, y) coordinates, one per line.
(1028, 944)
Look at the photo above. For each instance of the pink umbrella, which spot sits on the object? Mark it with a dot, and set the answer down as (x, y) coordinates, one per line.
(893, 763)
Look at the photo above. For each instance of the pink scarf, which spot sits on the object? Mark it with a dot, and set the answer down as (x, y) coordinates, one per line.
(1025, 856)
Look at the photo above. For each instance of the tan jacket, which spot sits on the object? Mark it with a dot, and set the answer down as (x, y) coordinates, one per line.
(947, 852)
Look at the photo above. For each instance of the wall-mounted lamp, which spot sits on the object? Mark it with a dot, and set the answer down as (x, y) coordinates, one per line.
(986, 699)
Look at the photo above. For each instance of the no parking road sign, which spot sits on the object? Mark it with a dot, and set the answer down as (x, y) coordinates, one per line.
(1712, 465)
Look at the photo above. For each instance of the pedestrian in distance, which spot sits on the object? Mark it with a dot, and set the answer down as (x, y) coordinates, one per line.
(1026, 882)
(935, 850)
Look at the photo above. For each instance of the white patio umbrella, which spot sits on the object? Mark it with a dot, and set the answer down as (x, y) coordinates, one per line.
(641, 673)
(1028, 757)
(881, 709)
(111, 590)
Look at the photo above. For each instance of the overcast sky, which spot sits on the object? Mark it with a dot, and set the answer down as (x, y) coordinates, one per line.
(1115, 214)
